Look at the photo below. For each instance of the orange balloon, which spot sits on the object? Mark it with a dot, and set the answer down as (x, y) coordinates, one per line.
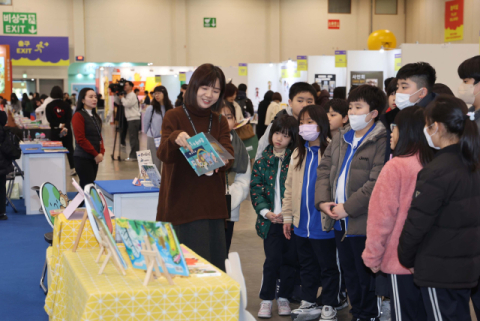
(380, 38)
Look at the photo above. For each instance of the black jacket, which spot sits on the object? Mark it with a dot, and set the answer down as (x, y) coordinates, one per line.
(6, 165)
(441, 236)
(262, 113)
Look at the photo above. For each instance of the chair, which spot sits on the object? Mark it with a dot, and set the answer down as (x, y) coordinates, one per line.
(234, 270)
(49, 239)
(11, 183)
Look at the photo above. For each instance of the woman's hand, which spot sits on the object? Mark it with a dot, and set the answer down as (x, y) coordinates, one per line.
(287, 230)
(99, 158)
(64, 131)
(182, 141)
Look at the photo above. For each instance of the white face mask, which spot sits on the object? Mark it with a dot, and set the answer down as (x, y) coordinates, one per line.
(429, 137)
(465, 93)
(403, 100)
(357, 122)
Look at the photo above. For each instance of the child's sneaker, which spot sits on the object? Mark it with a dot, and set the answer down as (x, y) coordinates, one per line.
(265, 311)
(283, 306)
(328, 314)
(343, 303)
(306, 311)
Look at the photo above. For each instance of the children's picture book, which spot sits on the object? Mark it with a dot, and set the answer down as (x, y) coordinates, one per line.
(52, 144)
(197, 268)
(152, 178)
(162, 235)
(143, 157)
(101, 204)
(52, 199)
(133, 233)
(208, 154)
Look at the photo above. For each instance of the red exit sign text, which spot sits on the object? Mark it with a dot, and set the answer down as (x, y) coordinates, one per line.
(333, 24)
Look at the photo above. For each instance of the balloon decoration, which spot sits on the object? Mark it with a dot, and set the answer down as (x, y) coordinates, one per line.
(380, 38)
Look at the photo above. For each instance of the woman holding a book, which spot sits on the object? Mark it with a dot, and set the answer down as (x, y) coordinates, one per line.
(195, 205)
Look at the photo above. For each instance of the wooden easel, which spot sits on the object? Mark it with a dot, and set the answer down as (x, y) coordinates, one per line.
(106, 247)
(80, 231)
(152, 256)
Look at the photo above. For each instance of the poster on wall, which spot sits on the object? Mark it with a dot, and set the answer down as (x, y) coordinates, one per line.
(372, 78)
(5, 71)
(453, 20)
(76, 87)
(37, 51)
(326, 82)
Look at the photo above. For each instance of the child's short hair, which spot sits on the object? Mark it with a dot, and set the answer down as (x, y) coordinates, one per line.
(276, 96)
(421, 73)
(470, 68)
(340, 92)
(301, 87)
(338, 105)
(373, 96)
(392, 87)
(285, 124)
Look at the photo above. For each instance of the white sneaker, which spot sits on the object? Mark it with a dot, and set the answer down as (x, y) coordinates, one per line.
(328, 314)
(265, 311)
(283, 306)
(306, 311)
(386, 311)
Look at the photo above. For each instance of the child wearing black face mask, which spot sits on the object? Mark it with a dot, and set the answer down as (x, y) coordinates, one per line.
(316, 248)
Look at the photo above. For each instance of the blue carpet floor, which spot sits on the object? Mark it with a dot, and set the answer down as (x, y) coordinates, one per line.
(23, 249)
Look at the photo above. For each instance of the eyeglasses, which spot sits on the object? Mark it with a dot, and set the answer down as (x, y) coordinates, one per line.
(392, 126)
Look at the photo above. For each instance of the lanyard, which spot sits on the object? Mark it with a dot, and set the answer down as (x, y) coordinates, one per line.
(191, 122)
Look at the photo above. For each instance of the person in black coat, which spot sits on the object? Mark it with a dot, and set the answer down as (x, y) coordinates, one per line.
(6, 167)
(262, 113)
(59, 115)
(440, 242)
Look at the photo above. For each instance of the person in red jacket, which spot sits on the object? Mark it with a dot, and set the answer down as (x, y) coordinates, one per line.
(87, 127)
(388, 209)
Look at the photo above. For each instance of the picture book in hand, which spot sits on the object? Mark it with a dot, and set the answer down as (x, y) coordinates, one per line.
(208, 154)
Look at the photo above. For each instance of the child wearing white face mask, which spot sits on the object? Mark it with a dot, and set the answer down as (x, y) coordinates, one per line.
(316, 248)
(345, 180)
(469, 72)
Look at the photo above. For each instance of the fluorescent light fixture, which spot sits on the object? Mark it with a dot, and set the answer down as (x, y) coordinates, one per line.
(91, 76)
(33, 79)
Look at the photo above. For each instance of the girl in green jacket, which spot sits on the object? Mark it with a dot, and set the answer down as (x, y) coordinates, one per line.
(266, 190)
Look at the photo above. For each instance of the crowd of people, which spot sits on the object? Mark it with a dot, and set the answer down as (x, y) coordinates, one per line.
(368, 196)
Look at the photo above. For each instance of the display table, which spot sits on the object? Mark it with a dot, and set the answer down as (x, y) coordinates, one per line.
(77, 292)
(64, 235)
(40, 167)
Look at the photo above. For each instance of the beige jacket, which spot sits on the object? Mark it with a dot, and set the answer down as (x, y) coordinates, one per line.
(292, 199)
(272, 111)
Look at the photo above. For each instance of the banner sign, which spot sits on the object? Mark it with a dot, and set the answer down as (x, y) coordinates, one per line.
(340, 58)
(372, 78)
(453, 20)
(19, 23)
(333, 24)
(182, 76)
(37, 51)
(302, 64)
(242, 70)
(398, 62)
(5, 71)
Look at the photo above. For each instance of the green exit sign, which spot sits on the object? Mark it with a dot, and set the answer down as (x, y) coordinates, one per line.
(19, 23)
(209, 22)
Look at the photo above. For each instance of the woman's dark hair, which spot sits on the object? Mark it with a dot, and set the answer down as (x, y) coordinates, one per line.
(13, 98)
(229, 106)
(287, 125)
(166, 101)
(268, 96)
(25, 98)
(316, 86)
(340, 93)
(440, 88)
(184, 86)
(66, 95)
(470, 68)
(43, 96)
(276, 96)
(411, 139)
(452, 113)
(205, 75)
(81, 105)
(230, 90)
(391, 89)
(56, 93)
(318, 115)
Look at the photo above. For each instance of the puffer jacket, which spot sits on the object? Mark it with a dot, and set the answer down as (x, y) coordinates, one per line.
(365, 167)
(6, 165)
(441, 236)
(262, 185)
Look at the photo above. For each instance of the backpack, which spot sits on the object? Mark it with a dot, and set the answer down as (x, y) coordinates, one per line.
(10, 147)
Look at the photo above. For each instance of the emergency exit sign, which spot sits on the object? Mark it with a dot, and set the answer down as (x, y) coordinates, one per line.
(19, 23)
(209, 22)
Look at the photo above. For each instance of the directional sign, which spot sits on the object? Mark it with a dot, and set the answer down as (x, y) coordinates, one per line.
(19, 23)
(209, 22)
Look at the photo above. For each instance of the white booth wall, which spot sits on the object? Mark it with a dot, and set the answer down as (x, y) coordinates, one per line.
(264, 77)
(445, 58)
(284, 83)
(326, 65)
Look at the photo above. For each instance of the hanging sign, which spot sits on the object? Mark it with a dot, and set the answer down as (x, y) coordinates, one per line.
(19, 23)
(37, 51)
(302, 64)
(453, 20)
(242, 70)
(182, 76)
(340, 58)
(398, 62)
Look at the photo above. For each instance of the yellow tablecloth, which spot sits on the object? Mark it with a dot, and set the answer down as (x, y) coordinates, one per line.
(64, 235)
(79, 293)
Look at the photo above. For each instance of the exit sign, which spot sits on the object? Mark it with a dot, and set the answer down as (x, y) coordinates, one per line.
(79, 58)
(19, 23)
(333, 24)
(209, 22)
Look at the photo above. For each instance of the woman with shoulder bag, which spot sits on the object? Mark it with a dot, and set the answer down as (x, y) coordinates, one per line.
(153, 119)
